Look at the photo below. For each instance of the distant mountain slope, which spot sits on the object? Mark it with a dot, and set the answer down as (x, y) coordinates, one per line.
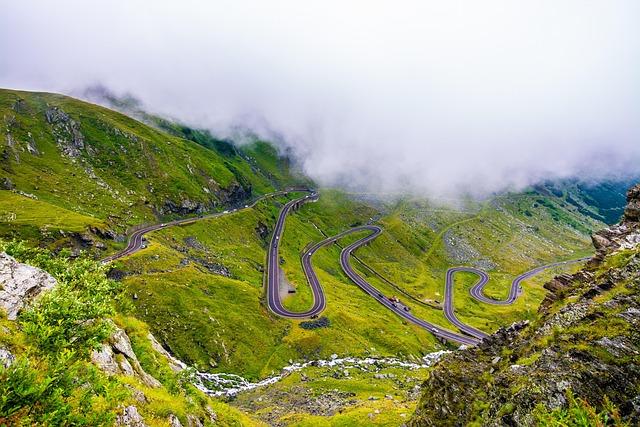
(603, 200)
(69, 154)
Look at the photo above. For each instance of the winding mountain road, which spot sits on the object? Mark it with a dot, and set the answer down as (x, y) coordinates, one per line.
(398, 309)
(469, 336)
(477, 293)
(136, 240)
(273, 269)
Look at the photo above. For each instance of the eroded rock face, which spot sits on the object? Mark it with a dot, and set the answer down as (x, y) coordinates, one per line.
(20, 283)
(130, 418)
(632, 211)
(117, 357)
(67, 132)
(625, 235)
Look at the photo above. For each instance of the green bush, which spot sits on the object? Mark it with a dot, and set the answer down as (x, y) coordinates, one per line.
(52, 382)
(74, 313)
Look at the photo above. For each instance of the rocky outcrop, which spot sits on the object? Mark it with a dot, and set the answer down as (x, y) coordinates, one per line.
(117, 357)
(66, 131)
(233, 195)
(174, 421)
(175, 364)
(6, 357)
(585, 341)
(130, 417)
(6, 184)
(19, 284)
(625, 235)
(263, 231)
(184, 207)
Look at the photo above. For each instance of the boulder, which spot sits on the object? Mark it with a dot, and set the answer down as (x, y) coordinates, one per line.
(174, 421)
(117, 357)
(175, 364)
(6, 357)
(19, 284)
(130, 418)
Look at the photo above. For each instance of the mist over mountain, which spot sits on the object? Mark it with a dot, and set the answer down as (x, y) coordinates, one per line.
(427, 97)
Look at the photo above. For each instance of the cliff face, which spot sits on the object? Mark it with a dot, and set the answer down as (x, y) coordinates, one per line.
(586, 343)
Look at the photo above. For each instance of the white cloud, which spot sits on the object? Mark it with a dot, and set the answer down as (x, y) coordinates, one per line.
(431, 96)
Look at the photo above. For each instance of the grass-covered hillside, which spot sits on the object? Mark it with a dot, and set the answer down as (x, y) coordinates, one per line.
(79, 176)
(49, 371)
(200, 287)
(70, 166)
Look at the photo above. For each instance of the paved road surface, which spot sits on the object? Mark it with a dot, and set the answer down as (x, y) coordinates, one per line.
(273, 269)
(470, 334)
(398, 309)
(476, 291)
(136, 238)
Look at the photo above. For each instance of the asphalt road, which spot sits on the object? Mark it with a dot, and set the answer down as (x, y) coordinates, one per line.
(469, 336)
(136, 240)
(398, 309)
(477, 293)
(273, 269)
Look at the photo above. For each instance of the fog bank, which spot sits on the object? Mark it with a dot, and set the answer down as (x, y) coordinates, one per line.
(432, 97)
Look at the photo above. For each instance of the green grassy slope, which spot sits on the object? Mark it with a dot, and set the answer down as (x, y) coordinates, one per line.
(219, 323)
(200, 287)
(49, 378)
(63, 153)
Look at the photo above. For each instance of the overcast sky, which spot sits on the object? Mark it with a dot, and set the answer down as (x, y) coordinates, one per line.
(438, 97)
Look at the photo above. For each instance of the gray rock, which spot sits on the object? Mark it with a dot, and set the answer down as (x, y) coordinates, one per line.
(121, 343)
(6, 357)
(20, 283)
(6, 184)
(175, 364)
(66, 131)
(125, 366)
(105, 360)
(118, 357)
(130, 418)
(174, 421)
(193, 421)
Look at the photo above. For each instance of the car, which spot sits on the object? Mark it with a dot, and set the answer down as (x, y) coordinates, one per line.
(310, 253)
(246, 206)
(380, 295)
(225, 212)
(434, 330)
(405, 308)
